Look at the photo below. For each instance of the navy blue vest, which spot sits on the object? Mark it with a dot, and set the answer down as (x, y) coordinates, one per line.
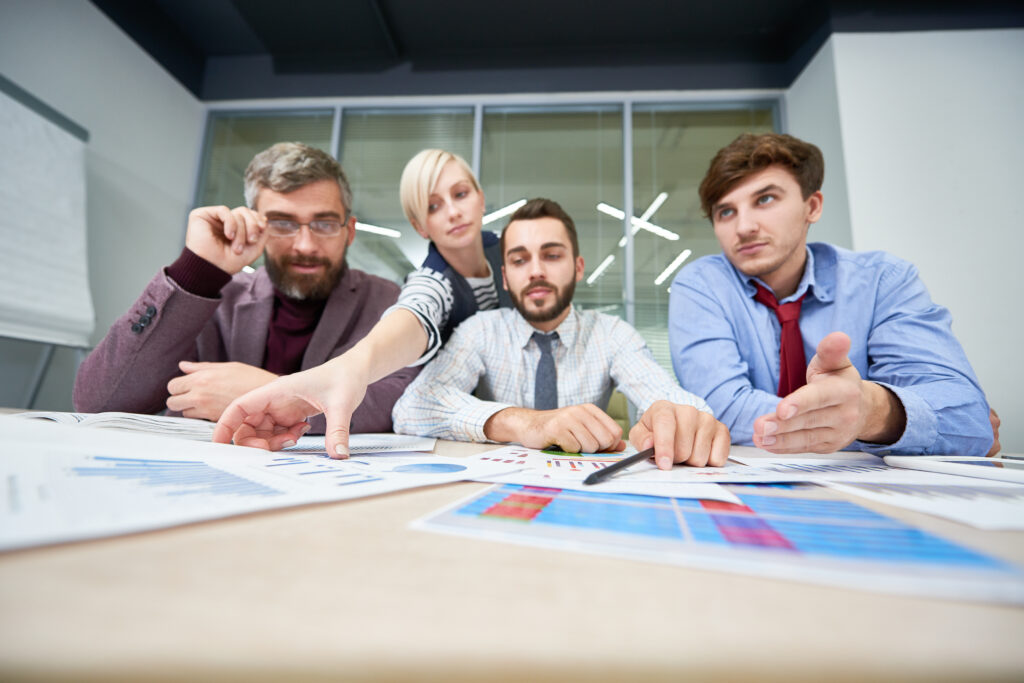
(464, 304)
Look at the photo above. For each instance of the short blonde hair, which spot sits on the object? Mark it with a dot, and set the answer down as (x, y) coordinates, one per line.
(419, 178)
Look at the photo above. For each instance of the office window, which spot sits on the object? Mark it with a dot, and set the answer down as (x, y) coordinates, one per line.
(375, 146)
(572, 155)
(671, 152)
(234, 138)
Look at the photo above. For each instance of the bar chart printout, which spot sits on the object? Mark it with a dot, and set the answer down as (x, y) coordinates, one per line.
(65, 483)
(797, 534)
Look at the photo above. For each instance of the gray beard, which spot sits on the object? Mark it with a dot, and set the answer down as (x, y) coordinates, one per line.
(303, 287)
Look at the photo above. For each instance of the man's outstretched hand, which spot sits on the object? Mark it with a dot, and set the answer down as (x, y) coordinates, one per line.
(834, 408)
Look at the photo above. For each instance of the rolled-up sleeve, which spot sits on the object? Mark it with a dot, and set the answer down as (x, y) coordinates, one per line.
(914, 354)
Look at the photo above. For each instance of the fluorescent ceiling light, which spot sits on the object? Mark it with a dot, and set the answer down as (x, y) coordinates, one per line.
(601, 268)
(502, 212)
(678, 261)
(377, 230)
(248, 269)
(638, 224)
(655, 205)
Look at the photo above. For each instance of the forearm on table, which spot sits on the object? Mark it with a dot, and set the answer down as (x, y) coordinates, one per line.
(131, 375)
(508, 425)
(947, 417)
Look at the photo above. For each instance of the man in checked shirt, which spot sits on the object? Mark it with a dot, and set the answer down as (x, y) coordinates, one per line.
(544, 371)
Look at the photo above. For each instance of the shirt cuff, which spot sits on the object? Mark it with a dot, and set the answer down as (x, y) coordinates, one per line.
(196, 275)
(468, 423)
(920, 432)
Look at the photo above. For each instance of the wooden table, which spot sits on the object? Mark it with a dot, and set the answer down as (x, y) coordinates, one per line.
(348, 591)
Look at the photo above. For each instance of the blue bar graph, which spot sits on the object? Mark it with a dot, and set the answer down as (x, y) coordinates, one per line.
(177, 477)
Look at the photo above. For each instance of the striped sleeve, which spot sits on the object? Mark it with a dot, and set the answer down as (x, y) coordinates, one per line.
(427, 294)
(485, 292)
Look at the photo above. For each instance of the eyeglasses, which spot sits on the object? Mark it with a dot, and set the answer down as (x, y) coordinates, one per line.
(321, 228)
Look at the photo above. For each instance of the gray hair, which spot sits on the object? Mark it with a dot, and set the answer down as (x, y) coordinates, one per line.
(288, 166)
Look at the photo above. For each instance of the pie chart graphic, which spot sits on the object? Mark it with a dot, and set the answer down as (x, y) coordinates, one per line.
(430, 468)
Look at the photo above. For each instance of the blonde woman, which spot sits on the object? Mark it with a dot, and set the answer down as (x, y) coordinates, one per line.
(460, 276)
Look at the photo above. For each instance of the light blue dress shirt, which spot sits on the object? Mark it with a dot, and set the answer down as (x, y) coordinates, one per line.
(725, 345)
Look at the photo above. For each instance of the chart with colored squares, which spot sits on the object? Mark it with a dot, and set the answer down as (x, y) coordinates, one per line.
(801, 533)
(551, 461)
(559, 462)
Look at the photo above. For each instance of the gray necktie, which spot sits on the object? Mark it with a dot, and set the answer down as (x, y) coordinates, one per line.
(545, 387)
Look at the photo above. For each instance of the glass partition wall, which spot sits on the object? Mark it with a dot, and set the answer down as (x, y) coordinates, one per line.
(572, 153)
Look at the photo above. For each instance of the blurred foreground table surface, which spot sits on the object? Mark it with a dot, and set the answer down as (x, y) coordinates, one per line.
(348, 591)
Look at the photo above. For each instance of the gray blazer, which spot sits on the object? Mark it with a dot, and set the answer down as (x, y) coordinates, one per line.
(129, 370)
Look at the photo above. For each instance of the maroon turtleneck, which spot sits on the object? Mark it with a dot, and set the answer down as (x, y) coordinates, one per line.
(291, 329)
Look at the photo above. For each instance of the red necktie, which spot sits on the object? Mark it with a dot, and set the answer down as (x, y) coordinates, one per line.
(792, 362)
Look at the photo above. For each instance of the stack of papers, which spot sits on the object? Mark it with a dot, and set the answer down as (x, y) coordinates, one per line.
(179, 427)
(63, 483)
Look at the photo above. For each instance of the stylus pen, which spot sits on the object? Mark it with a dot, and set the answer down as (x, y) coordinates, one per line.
(601, 475)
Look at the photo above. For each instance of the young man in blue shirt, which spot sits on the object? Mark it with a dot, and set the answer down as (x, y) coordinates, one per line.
(886, 375)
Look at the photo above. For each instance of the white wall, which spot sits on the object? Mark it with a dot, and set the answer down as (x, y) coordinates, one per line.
(932, 142)
(811, 112)
(145, 132)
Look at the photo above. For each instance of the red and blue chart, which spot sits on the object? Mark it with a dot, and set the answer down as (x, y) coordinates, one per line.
(801, 533)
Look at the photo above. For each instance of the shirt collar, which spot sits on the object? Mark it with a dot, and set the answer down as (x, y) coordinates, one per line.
(567, 331)
(814, 281)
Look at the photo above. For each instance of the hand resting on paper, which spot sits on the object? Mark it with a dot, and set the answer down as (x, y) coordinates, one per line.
(681, 435)
(206, 389)
(678, 434)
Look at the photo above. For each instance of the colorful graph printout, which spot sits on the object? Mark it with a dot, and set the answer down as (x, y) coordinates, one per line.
(567, 471)
(797, 534)
(746, 466)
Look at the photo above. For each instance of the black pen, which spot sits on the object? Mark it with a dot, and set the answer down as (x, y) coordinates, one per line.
(601, 475)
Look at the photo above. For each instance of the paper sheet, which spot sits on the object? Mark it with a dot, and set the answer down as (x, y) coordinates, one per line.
(571, 469)
(803, 534)
(983, 504)
(181, 427)
(533, 473)
(65, 483)
(367, 443)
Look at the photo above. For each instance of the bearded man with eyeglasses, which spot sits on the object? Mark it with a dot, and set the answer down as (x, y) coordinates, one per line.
(204, 332)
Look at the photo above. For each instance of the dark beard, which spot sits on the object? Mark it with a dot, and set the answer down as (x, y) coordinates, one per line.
(303, 287)
(563, 299)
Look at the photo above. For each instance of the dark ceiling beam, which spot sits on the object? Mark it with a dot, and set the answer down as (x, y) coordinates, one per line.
(388, 33)
(155, 32)
(266, 49)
